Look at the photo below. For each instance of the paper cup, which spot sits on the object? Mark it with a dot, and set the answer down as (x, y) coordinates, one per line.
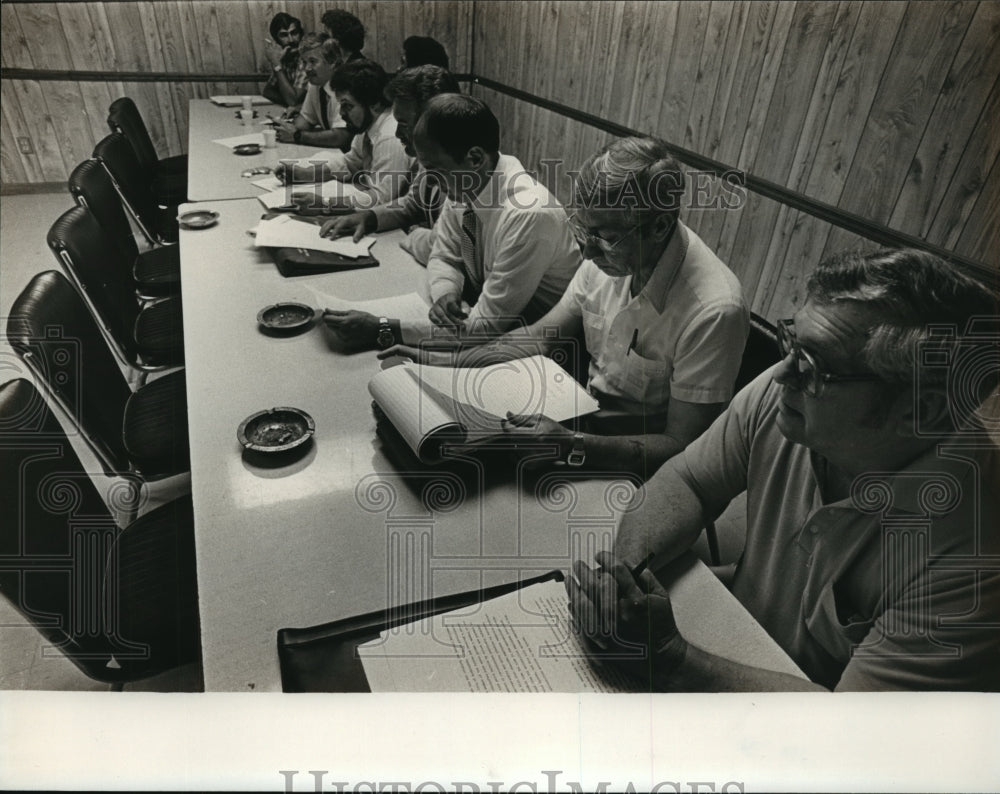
(270, 137)
(247, 103)
(246, 117)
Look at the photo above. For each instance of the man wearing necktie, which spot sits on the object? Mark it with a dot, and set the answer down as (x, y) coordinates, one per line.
(376, 161)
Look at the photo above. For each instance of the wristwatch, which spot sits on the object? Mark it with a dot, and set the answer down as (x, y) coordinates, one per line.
(386, 338)
(577, 454)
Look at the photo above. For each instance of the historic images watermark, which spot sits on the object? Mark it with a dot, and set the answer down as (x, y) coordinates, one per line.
(317, 779)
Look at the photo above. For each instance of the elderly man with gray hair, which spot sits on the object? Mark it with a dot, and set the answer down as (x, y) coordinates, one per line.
(873, 520)
(662, 318)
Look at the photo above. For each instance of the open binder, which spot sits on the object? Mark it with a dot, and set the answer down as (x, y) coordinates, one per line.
(439, 409)
(306, 261)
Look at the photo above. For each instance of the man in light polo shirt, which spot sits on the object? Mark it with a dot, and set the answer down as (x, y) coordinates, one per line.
(319, 122)
(663, 319)
(872, 548)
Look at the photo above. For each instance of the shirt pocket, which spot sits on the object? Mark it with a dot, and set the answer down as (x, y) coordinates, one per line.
(645, 380)
(594, 326)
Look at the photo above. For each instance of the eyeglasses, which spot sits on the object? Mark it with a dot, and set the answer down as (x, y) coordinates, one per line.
(584, 238)
(807, 374)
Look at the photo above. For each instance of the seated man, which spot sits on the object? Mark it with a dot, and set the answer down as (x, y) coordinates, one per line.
(318, 123)
(419, 208)
(663, 319)
(501, 243)
(873, 530)
(376, 161)
(347, 31)
(421, 50)
(287, 82)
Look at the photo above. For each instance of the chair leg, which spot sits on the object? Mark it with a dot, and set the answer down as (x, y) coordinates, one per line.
(713, 543)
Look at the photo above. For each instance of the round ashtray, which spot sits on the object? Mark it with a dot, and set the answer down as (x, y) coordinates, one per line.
(198, 219)
(247, 148)
(255, 114)
(276, 430)
(284, 317)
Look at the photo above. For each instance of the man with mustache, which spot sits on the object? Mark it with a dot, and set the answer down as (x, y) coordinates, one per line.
(318, 123)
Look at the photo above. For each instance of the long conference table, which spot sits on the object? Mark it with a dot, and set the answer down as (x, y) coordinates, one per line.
(343, 530)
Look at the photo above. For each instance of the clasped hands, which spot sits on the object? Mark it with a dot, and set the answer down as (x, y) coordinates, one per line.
(625, 620)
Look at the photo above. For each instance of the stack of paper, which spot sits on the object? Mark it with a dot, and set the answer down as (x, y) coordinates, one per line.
(332, 189)
(233, 101)
(287, 232)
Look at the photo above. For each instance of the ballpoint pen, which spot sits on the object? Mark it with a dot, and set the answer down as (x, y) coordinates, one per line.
(634, 342)
(637, 571)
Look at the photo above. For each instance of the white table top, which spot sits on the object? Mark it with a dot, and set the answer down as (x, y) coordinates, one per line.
(340, 532)
(214, 172)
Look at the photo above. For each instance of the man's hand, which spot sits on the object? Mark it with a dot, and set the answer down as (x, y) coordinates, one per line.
(357, 224)
(356, 330)
(274, 53)
(309, 201)
(421, 355)
(284, 132)
(625, 623)
(447, 312)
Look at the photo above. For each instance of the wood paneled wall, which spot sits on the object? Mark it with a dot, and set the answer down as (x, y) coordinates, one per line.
(885, 109)
(64, 120)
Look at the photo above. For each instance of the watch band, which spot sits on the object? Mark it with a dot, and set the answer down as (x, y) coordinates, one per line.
(386, 338)
(578, 453)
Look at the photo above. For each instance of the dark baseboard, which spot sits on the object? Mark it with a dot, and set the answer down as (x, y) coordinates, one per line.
(26, 188)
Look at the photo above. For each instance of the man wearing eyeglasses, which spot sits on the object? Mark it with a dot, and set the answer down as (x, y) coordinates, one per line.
(662, 318)
(872, 524)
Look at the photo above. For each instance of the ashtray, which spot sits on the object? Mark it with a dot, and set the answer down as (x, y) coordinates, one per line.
(247, 148)
(198, 219)
(285, 317)
(255, 114)
(275, 430)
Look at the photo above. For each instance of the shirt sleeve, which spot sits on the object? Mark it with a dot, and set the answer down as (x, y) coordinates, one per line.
(575, 296)
(390, 169)
(715, 464)
(709, 353)
(343, 165)
(445, 271)
(310, 107)
(529, 243)
(403, 211)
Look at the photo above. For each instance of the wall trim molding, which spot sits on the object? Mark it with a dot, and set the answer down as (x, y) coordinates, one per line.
(77, 76)
(31, 188)
(857, 224)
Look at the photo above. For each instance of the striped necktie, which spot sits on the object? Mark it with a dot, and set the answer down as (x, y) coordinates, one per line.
(470, 252)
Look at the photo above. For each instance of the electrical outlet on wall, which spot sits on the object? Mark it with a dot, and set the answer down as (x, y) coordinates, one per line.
(24, 145)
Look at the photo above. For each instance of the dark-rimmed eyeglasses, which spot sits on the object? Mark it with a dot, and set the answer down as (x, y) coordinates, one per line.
(806, 372)
(585, 238)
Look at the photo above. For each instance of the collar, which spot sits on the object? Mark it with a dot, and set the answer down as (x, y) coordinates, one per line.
(382, 126)
(930, 485)
(667, 268)
(500, 184)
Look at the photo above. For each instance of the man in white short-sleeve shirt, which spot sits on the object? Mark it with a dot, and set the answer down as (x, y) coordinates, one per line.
(662, 317)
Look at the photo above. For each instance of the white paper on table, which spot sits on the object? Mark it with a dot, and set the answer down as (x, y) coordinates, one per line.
(232, 101)
(269, 183)
(286, 232)
(406, 308)
(321, 156)
(332, 189)
(253, 137)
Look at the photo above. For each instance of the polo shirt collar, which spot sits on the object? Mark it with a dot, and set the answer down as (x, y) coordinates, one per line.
(667, 268)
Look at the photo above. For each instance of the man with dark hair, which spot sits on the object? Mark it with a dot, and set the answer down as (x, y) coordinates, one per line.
(286, 85)
(345, 29)
(318, 123)
(501, 243)
(421, 50)
(873, 521)
(376, 161)
(418, 210)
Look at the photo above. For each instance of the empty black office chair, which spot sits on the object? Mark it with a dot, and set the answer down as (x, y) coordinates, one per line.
(158, 224)
(761, 351)
(120, 604)
(168, 176)
(146, 338)
(156, 272)
(143, 433)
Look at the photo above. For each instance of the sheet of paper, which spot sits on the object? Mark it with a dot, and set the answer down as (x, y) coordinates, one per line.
(234, 101)
(253, 137)
(524, 386)
(520, 642)
(332, 189)
(319, 156)
(286, 232)
(269, 183)
(408, 308)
